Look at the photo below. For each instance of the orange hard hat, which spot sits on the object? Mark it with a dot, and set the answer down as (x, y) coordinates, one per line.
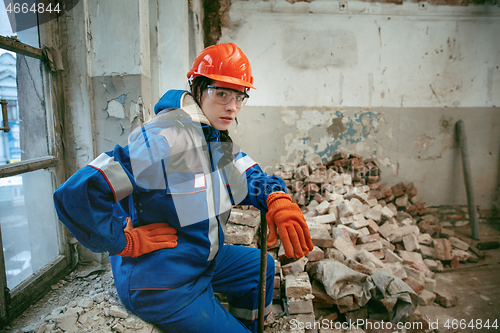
(223, 62)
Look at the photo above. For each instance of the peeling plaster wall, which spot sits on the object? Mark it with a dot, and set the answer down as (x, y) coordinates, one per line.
(107, 78)
(413, 144)
(376, 79)
(120, 103)
(369, 55)
(120, 68)
(78, 126)
(120, 56)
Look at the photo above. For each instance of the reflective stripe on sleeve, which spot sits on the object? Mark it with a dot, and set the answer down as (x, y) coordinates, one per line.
(249, 314)
(114, 174)
(244, 163)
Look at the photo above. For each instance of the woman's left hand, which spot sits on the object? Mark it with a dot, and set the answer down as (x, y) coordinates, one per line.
(291, 224)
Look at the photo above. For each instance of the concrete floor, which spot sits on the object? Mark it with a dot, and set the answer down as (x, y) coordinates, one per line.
(477, 287)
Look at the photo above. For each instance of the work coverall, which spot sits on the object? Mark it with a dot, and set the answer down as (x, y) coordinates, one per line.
(173, 170)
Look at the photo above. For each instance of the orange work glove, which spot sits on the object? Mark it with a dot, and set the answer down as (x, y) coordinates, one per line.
(291, 224)
(148, 238)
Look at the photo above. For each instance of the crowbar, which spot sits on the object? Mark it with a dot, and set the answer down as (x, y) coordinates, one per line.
(263, 271)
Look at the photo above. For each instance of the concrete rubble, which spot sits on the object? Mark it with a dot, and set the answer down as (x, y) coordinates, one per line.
(377, 248)
(370, 228)
(84, 301)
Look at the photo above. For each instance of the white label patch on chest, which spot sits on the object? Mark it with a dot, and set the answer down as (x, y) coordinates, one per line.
(199, 180)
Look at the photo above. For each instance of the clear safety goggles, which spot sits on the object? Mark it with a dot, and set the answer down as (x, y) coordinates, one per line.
(223, 96)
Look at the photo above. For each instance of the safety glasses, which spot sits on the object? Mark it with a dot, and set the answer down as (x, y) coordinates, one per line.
(225, 95)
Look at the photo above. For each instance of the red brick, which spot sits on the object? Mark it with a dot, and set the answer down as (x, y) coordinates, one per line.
(297, 185)
(434, 230)
(447, 233)
(453, 217)
(277, 281)
(443, 248)
(385, 190)
(422, 325)
(446, 299)
(398, 190)
(318, 198)
(411, 209)
(421, 210)
(369, 238)
(373, 226)
(402, 202)
(408, 187)
(311, 189)
(421, 267)
(356, 266)
(414, 284)
(424, 225)
(379, 254)
(339, 156)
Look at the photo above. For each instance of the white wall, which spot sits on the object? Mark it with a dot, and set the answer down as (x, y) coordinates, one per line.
(376, 79)
(370, 55)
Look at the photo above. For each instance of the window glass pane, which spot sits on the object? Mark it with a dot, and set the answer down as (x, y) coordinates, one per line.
(28, 224)
(27, 36)
(5, 27)
(21, 84)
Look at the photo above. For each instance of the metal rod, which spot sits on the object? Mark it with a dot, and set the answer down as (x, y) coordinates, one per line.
(263, 271)
(30, 165)
(462, 139)
(14, 45)
(5, 116)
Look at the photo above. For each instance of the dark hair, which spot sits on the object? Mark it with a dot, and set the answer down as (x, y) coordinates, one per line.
(198, 86)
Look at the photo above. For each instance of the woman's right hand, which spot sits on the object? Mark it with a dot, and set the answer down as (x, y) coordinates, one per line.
(148, 238)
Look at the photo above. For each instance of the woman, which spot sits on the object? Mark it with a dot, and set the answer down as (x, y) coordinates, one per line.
(159, 206)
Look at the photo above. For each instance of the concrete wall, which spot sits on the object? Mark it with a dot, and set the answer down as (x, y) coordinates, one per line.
(119, 57)
(375, 79)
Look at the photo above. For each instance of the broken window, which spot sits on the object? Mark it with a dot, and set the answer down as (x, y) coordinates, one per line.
(32, 240)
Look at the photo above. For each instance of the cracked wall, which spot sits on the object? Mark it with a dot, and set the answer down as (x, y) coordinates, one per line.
(118, 105)
(378, 79)
(413, 145)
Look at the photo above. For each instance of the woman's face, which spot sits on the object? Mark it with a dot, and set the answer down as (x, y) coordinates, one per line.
(221, 115)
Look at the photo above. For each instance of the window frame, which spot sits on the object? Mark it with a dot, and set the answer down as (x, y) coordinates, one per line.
(14, 302)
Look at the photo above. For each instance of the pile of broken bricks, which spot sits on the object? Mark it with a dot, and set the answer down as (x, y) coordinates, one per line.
(367, 225)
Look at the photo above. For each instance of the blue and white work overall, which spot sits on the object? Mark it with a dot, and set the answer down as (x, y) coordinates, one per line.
(170, 172)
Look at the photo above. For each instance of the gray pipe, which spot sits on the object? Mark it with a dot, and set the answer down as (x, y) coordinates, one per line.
(462, 139)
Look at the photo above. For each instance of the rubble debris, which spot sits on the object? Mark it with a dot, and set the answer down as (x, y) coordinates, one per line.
(366, 233)
(377, 248)
(446, 299)
(84, 307)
